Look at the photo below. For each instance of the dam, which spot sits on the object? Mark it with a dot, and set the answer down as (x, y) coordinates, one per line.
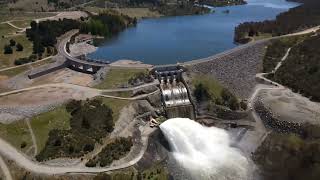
(174, 92)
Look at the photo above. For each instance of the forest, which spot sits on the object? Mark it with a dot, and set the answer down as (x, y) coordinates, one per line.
(45, 33)
(304, 16)
(301, 70)
(107, 24)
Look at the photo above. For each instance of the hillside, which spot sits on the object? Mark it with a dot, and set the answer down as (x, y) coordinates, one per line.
(301, 70)
(298, 18)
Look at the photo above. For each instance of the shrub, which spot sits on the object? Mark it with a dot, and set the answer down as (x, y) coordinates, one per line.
(19, 47)
(12, 42)
(7, 49)
(201, 93)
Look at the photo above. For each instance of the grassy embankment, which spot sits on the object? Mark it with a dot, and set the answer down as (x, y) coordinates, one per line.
(117, 77)
(42, 124)
(17, 134)
(207, 89)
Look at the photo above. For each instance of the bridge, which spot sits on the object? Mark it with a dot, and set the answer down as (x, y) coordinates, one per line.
(80, 64)
(175, 95)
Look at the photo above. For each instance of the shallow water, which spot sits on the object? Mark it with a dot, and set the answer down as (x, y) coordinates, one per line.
(170, 40)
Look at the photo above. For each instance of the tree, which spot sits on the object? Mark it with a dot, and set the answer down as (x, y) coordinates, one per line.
(19, 47)
(229, 99)
(12, 42)
(7, 49)
(201, 93)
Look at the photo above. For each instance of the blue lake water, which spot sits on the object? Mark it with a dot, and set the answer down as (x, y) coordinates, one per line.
(170, 40)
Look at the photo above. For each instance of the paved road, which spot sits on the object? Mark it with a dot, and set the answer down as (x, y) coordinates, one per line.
(78, 87)
(27, 64)
(62, 50)
(244, 46)
(5, 170)
(33, 137)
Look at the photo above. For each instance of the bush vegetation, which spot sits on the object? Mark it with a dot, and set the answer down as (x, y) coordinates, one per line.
(7, 49)
(298, 18)
(113, 151)
(289, 156)
(277, 49)
(301, 70)
(90, 121)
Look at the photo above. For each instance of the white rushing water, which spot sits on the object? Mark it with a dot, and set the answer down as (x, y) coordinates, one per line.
(205, 152)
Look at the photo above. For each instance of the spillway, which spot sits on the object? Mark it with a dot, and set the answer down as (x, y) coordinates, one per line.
(205, 152)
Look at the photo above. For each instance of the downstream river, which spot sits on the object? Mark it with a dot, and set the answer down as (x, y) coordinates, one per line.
(170, 40)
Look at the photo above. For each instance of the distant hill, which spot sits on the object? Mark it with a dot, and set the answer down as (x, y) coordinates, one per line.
(298, 18)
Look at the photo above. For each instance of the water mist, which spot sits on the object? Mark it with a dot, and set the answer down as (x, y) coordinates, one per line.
(205, 152)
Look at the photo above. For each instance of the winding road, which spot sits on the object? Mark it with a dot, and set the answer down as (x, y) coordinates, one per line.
(5, 170)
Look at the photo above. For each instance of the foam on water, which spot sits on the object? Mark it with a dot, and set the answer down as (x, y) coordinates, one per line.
(206, 153)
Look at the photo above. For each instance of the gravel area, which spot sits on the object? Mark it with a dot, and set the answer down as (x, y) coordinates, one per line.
(237, 70)
(15, 113)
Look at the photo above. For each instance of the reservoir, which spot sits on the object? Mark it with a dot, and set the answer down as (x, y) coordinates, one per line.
(169, 40)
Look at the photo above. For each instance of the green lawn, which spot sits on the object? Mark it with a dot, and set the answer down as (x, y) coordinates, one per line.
(7, 60)
(42, 124)
(13, 72)
(20, 69)
(117, 77)
(116, 105)
(16, 133)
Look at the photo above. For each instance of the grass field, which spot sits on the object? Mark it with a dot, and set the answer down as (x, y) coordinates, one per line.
(117, 77)
(13, 72)
(42, 124)
(16, 133)
(6, 29)
(19, 69)
(22, 23)
(7, 60)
